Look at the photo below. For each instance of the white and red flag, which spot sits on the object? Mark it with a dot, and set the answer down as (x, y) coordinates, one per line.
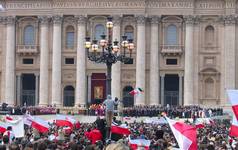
(136, 144)
(39, 124)
(199, 123)
(122, 129)
(234, 127)
(186, 135)
(233, 97)
(64, 120)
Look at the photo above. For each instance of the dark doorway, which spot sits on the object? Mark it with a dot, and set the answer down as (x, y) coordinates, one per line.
(171, 90)
(69, 96)
(128, 100)
(28, 90)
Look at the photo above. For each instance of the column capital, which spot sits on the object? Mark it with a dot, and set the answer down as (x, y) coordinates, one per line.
(116, 20)
(10, 20)
(140, 19)
(155, 19)
(229, 19)
(44, 20)
(57, 19)
(81, 19)
(189, 19)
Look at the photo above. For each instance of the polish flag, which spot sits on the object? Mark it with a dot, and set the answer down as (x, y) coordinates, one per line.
(3, 127)
(199, 123)
(233, 97)
(39, 124)
(234, 127)
(186, 135)
(64, 120)
(122, 129)
(136, 144)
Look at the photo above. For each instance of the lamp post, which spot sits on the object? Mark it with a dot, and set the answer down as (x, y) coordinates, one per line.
(108, 51)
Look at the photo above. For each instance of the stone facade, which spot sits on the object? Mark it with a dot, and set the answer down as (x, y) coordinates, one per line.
(185, 51)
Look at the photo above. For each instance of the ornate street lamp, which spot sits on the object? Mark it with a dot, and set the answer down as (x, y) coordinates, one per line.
(108, 52)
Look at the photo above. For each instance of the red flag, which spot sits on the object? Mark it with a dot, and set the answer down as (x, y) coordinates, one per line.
(234, 127)
(233, 97)
(39, 124)
(186, 135)
(120, 130)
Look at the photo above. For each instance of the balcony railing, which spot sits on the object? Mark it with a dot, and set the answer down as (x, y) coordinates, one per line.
(172, 49)
(27, 49)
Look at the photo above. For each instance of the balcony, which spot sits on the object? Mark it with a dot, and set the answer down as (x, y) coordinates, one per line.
(172, 50)
(27, 50)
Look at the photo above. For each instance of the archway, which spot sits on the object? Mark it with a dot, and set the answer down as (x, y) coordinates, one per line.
(69, 96)
(128, 100)
(28, 90)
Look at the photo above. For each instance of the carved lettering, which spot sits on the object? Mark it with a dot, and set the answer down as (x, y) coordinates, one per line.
(170, 4)
(209, 5)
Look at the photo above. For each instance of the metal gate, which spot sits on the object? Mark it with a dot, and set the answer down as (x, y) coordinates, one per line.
(68, 98)
(171, 98)
(28, 97)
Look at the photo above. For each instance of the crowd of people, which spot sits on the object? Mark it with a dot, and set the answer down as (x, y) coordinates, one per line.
(86, 137)
(172, 111)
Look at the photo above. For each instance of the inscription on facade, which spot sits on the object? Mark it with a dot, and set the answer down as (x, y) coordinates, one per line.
(120, 4)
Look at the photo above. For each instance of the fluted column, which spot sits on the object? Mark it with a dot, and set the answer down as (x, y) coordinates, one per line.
(162, 89)
(18, 98)
(140, 59)
(188, 69)
(81, 63)
(116, 68)
(56, 61)
(10, 62)
(44, 61)
(229, 58)
(37, 89)
(154, 61)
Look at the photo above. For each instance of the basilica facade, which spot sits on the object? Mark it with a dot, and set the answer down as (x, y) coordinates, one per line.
(185, 51)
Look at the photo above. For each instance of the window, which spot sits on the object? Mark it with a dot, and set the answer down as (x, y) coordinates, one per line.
(70, 37)
(99, 30)
(29, 35)
(171, 35)
(209, 35)
(129, 32)
(69, 61)
(27, 61)
(171, 61)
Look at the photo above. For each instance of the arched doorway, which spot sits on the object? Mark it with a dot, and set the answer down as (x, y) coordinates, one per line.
(171, 89)
(28, 89)
(69, 96)
(128, 100)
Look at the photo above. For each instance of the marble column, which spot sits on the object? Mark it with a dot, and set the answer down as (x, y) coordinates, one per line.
(36, 89)
(81, 63)
(140, 59)
(116, 68)
(162, 89)
(10, 62)
(229, 49)
(44, 61)
(188, 68)
(18, 89)
(56, 61)
(154, 61)
(180, 89)
(89, 88)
